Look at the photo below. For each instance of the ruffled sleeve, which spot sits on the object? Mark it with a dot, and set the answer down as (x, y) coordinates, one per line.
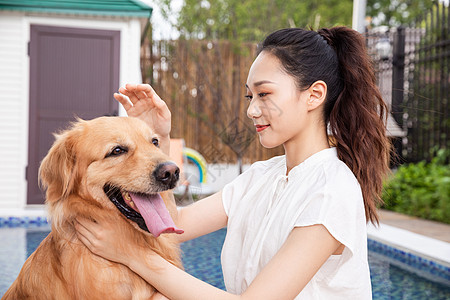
(338, 205)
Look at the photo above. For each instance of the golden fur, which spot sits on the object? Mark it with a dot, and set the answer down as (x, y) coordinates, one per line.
(74, 173)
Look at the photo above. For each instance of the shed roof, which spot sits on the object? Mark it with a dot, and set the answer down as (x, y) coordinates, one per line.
(132, 8)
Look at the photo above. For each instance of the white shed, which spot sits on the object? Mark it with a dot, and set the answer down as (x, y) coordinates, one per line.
(58, 58)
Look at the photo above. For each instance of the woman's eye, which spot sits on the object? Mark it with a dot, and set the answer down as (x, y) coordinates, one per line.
(262, 95)
(248, 97)
(117, 151)
(155, 142)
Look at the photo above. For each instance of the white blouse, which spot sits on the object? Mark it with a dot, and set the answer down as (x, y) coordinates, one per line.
(264, 205)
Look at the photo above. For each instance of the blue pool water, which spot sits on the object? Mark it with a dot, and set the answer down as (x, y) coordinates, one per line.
(395, 275)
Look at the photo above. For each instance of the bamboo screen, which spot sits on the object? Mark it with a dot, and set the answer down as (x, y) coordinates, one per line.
(203, 83)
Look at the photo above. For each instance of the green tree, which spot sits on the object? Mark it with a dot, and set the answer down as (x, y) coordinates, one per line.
(251, 20)
(397, 12)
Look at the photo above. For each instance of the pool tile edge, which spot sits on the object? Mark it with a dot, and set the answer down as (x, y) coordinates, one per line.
(410, 242)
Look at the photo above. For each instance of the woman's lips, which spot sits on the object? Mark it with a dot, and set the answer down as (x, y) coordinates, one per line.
(260, 128)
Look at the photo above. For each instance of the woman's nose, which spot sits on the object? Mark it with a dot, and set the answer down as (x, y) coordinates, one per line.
(253, 110)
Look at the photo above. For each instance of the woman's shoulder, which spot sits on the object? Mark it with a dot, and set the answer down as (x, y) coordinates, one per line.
(327, 173)
(339, 183)
(337, 172)
(330, 167)
(257, 169)
(269, 164)
(324, 164)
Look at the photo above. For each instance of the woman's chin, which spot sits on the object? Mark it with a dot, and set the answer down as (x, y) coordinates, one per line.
(267, 144)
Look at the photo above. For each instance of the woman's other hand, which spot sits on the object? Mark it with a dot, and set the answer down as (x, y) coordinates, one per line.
(106, 239)
(146, 105)
(143, 103)
(102, 239)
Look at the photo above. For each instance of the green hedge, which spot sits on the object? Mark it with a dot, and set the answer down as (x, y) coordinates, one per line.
(421, 189)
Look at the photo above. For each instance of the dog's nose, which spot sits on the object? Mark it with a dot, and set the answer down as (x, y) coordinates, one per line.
(167, 173)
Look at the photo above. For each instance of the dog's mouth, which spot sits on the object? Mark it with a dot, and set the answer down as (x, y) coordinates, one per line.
(148, 211)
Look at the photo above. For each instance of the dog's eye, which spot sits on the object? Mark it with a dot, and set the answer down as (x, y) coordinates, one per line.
(155, 142)
(117, 151)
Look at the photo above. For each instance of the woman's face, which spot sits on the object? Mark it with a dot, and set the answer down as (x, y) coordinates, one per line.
(277, 107)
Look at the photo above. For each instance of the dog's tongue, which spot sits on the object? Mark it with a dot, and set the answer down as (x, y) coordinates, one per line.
(155, 214)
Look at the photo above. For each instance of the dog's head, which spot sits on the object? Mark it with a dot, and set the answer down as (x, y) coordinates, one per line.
(110, 163)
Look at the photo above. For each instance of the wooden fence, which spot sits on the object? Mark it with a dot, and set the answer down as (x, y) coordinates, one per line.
(203, 83)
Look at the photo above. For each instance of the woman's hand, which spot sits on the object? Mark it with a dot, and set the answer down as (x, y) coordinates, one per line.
(107, 239)
(146, 105)
(103, 240)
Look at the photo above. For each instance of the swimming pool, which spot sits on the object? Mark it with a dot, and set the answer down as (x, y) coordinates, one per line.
(395, 275)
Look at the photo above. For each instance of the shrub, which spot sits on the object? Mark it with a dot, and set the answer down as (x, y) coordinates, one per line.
(421, 189)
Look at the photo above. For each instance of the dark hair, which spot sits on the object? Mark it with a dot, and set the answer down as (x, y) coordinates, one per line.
(354, 109)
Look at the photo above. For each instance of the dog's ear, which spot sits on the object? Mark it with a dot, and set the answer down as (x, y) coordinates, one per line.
(57, 173)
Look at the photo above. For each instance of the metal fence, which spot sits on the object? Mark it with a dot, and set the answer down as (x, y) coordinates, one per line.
(412, 65)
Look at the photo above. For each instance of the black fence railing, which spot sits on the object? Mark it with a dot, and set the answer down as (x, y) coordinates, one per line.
(412, 64)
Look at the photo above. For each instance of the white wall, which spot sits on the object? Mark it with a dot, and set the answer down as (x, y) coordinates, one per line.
(14, 87)
(13, 110)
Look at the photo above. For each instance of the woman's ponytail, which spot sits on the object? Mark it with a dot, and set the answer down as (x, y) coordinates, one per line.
(358, 116)
(354, 110)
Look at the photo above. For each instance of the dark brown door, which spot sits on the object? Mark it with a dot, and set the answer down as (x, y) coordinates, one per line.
(73, 72)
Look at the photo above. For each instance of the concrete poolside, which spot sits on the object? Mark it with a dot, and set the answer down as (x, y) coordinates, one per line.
(432, 229)
(424, 238)
(427, 239)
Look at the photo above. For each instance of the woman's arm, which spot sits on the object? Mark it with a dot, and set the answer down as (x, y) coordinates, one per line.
(202, 217)
(301, 256)
(289, 271)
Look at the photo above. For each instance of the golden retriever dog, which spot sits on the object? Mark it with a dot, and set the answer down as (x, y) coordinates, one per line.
(109, 167)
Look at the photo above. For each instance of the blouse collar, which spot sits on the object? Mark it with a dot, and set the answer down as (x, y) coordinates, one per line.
(310, 161)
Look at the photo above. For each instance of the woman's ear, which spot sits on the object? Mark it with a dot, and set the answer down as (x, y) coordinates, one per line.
(317, 94)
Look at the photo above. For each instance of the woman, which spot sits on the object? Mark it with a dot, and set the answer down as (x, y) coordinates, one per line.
(296, 224)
